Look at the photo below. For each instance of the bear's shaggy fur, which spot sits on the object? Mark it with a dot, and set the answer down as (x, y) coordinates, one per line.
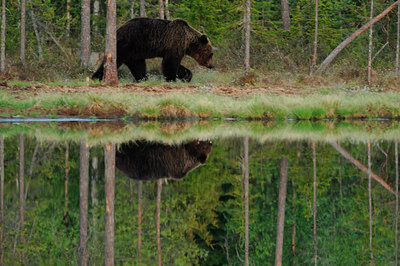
(143, 38)
(150, 160)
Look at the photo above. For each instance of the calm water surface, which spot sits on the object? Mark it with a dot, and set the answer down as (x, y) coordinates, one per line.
(191, 203)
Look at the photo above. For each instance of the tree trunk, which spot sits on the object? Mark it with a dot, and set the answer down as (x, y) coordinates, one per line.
(294, 223)
(1, 200)
(139, 247)
(315, 203)
(84, 194)
(281, 210)
(23, 39)
(3, 38)
(131, 9)
(35, 29)
(314, 57)
(85, 33)
(96, 13)
(246, 200)
(285, 10)
(161, 8)
(398, 40)
(21, 194)
(66, 182)
(247, 39)
(341, 46)
(370, 45)
(94, 195)
(370, 203)
(109, 161)
(68, 24)
(360, 166)
(142, 8)
(110, 65)
(158, 217)
(167, 14)
(396, 221)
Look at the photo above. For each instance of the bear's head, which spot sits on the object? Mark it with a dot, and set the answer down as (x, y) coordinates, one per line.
(201, 51)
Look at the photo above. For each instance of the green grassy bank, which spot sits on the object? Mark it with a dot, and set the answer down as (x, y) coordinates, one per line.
(203, 104)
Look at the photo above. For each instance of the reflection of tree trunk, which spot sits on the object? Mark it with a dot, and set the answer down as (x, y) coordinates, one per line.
(139, 247)
(340, 195)
(84, 194)
(246, 200)
(360, 166)
(281, 210)
(159, 190)
(109, 161)
(315, 202)
(21, 194)
(396, 222)
(294, 222)
(94, 195)
(66, 182)
(370, 203)
(1, 199)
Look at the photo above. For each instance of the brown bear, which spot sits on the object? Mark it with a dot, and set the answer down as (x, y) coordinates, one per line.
(144, 160)
(143, 38)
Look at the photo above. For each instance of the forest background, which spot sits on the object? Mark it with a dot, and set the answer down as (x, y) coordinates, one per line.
(53, 36)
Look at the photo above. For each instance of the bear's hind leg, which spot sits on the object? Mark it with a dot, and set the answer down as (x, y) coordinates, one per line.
(137, 68)
(184, 74)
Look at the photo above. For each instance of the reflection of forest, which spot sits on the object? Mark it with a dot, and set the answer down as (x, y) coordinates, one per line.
(202, 217)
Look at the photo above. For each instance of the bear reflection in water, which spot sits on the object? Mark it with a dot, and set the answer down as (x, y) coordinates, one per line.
(144, 160)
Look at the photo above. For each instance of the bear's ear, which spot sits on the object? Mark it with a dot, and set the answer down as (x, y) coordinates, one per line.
(203, 39)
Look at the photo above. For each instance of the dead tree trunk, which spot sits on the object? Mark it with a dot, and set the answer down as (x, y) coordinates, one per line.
(396, 221)
(360, 166)
(37, 35)
(315, 203)
(109, 161)
(66, 182)
(370, 45)
(85, 33)
(84, 195)
(370, 203)
(161, 8)
(158, 217)
(110, 65)
(131, 9)
(247, 39)
(3, 38)
(2, 200)
(398, 40)
(285, 14)
(341, 46)
(281, 210)
(23, 38)
(21, 194)
(142, 8)
(246, 200)
(314, 57)
(139, 245)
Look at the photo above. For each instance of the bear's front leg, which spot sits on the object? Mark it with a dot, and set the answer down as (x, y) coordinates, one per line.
(170, 65)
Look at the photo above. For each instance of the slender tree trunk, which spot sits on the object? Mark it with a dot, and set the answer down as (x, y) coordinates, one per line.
(2, 200)
(109, 160)
(161, 8)
(396, 221)
(94, 195)
(167, 14)
(281, 210)
(84, 195)
(285, 10)
(23, 39)
(340, 195)
(66, 181)
(360, 166)
(246, 200)
(315, 203)
(85, 33)
(158, 214)
(370, 203)
(96, 13)
(3, 37)
(314, 57)
(37, 35)
(21, 194)
(139, 247)
(110, 65)
(398, 40)
(370, 45)
(68, 25)
(294, 223)
(341, 46)
(131, 9)
(247, 39)
(143, 8)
